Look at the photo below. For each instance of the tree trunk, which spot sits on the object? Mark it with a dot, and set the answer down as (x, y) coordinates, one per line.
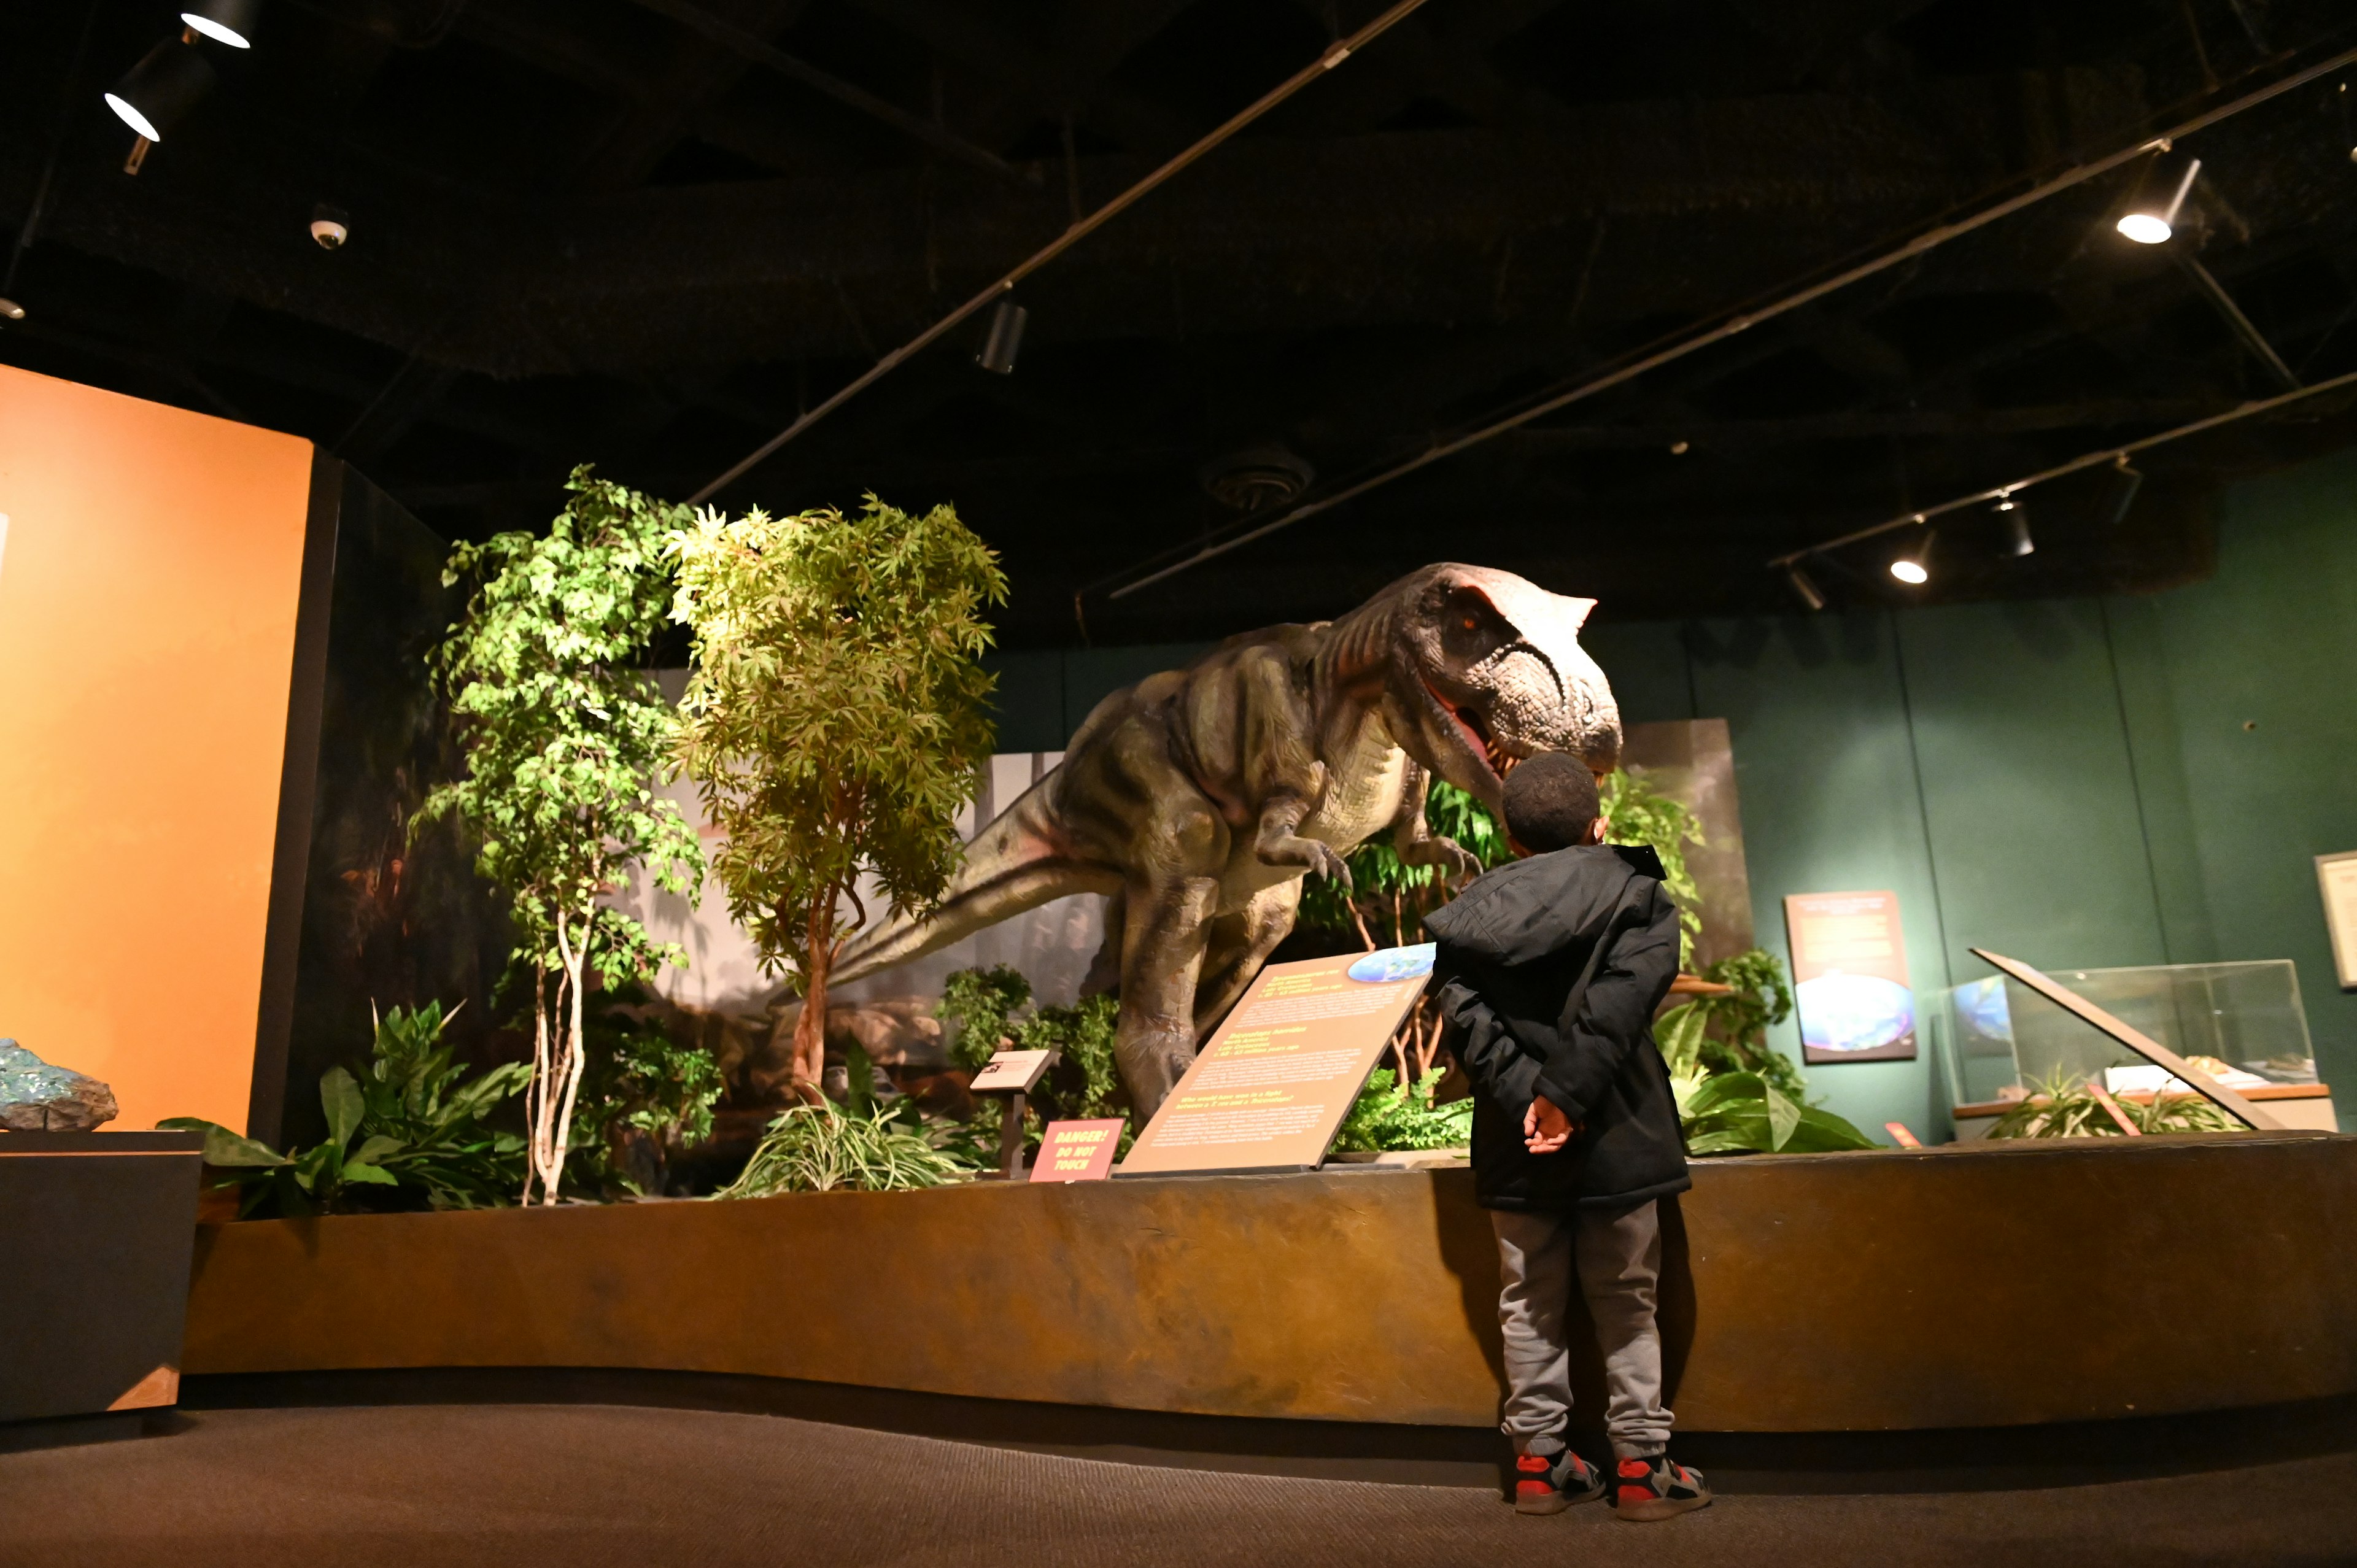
(810, 1029)
(535, 1094)
(564, 1067)
(570, 1060)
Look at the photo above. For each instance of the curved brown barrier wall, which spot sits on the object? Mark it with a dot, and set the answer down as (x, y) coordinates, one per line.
(148, 584)
(1959, 1287)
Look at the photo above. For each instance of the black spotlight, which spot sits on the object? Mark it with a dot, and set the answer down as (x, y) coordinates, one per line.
(1804, 587)
(1004, 338)
(161, 87)
(2017, 541)
(227, 22)
(2127, 480)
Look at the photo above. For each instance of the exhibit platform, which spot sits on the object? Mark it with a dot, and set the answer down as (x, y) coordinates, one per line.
(1921, 1290)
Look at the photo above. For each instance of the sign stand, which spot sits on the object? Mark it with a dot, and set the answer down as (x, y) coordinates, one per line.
(1012, 1074)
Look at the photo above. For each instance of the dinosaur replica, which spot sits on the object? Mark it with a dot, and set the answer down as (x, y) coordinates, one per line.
(1198, 798)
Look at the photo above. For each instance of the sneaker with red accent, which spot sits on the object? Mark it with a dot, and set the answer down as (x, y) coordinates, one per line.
(1656, 1489)
(1547, 1483)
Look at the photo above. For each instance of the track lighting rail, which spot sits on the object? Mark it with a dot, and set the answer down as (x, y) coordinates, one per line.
(1335, 54)
(2094, 460)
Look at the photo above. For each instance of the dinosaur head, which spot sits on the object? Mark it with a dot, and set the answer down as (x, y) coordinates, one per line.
(1485, 670)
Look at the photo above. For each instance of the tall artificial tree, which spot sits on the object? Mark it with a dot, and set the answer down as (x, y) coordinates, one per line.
(563, 730)
(835, 721)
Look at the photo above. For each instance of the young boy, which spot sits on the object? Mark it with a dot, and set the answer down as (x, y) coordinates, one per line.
(1551, 968)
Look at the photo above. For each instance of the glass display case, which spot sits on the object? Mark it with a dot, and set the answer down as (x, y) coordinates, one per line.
(1995, 1040)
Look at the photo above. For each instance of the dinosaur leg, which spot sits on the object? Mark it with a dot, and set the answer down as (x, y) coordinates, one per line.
(1239, 944)
(1167, 923)
(1103, 978)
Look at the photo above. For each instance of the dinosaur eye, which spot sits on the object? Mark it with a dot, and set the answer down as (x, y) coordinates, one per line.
(1474, 629)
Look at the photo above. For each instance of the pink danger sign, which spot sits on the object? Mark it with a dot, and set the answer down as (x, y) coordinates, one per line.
(1077, 1151)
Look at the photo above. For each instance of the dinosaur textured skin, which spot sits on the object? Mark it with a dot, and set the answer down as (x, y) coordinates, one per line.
(1199, 798)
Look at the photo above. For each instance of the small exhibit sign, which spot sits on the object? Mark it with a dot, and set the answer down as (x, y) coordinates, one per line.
(1011, 1073)
(1849, 977)
(1271, 1089)
(2336, 878)
(1077, 1151)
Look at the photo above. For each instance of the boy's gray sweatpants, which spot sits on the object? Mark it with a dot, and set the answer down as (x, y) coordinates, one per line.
(1620, 1263)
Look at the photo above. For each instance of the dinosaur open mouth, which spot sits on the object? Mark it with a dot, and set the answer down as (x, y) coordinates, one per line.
(1478, 736)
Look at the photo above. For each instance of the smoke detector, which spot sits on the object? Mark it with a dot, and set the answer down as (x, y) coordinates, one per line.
(1256, 477)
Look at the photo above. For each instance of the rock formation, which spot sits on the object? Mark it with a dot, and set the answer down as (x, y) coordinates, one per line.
(37, 1098)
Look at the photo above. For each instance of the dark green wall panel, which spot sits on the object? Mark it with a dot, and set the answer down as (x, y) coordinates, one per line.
(2035, 837)
(1826, 778)
(2271, 642)
(1646, 662)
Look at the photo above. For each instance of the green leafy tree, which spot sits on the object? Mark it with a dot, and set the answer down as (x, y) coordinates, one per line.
(835, 721)
(563, 730)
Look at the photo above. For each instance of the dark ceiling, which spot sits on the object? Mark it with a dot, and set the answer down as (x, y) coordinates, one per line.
(644, 233)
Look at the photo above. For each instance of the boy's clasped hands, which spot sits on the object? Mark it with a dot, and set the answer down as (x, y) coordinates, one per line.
(1545, 1129)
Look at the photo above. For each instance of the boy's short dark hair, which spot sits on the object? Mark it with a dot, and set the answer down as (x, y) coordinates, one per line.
(1550, 801)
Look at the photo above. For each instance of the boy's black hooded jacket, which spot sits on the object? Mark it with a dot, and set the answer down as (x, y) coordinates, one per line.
(1550, 969)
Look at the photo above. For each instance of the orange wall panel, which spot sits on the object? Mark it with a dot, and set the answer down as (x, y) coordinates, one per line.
(149, 579)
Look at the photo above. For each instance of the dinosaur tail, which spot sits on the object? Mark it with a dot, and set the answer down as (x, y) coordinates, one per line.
(1019, 862)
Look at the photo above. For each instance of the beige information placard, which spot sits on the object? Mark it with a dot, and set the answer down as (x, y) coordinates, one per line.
(1274, 1084)
(2336, 879)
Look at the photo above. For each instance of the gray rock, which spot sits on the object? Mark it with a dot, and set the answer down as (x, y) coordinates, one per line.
(37, 1098)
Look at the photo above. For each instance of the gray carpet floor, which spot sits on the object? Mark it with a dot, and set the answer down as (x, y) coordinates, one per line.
(587, 1485)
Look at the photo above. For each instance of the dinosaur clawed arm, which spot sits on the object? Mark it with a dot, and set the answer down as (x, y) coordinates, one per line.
(1277, 844)
(1453, 858)
(1413, 839)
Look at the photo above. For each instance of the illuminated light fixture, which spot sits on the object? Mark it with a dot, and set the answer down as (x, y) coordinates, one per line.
(10, 310)
(159, 90)
(1804, 587)
(227, 22)
(1004, 338)
(2127, 480)
(1914, 568)
(330, 226)
(2017, 541)
(2146, 227)
(1679, 448)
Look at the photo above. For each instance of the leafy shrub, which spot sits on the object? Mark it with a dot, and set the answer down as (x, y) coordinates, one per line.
(1083, 1083)
(821, 1148)
(1729, 1034)
(980, 1004)
(2064, 1106)
(1742, 1112)
(1385, 1117)
(643, 1095)
(419, 1127)
(1635, 812)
